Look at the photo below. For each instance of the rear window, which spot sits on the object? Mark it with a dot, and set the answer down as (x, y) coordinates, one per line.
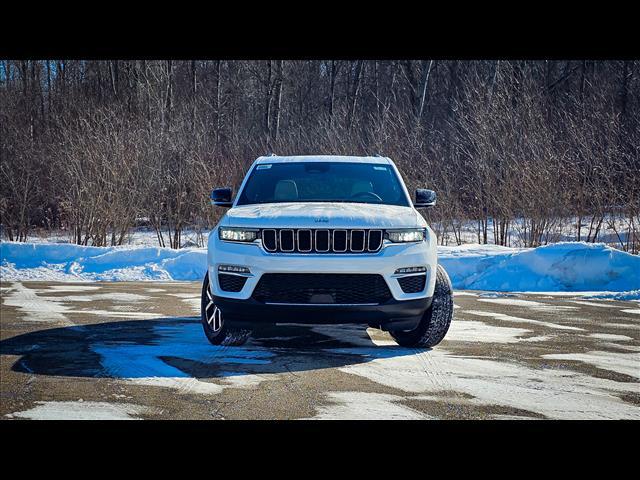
(323, 182)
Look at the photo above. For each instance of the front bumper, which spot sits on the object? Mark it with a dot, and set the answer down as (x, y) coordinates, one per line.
(392, 315)
(384, 262)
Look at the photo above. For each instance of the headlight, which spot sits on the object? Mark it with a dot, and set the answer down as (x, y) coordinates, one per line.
(237, 234)
(406, 235)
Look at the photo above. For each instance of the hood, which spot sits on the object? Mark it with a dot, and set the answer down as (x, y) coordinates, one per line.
(323, 215)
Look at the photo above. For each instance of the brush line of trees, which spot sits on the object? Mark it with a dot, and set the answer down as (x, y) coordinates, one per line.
(94, 146)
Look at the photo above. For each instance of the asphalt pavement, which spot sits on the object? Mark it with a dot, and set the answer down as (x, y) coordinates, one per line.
(136, 350)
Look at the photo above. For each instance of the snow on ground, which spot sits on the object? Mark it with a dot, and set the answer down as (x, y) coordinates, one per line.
(509, 318)
(366, 406)
(66, 262)
(35, 307)
(625, 363)
(631, 295)
(80, 410)
(568, 266)
(602, 271)
(473, 331)
(492, 382)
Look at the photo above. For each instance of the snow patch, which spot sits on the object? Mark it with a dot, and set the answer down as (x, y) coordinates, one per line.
(472, 331)
(610, 336)
(509, 318)
(593, 304)
(114, 297)
(193, 301)
(72, 288)
(516, 302)
(80, 410)
(115, 313)
(626, 363)
(34, 307)
(622, 325)
(490, 382)
(366, 406)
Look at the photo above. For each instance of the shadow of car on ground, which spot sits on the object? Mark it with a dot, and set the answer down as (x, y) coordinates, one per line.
(177, 347)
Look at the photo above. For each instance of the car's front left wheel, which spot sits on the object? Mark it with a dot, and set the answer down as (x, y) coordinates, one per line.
(216, 326)
(435, 321)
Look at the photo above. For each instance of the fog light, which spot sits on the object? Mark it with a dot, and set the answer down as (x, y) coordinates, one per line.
(410, 270)
(233, 269)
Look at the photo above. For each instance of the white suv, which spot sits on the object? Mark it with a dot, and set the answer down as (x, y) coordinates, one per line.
(325, 239)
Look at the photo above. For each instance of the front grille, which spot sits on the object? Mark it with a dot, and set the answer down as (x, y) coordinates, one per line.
(321, 288)
(413, 284)
(231, 283)
(287, 240)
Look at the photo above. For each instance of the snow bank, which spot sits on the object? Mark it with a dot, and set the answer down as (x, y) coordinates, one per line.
(565, 267)
(631, 295)
(66, 262)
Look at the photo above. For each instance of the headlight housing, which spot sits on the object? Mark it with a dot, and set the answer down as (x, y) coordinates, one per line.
(233, 234)
(406, 235)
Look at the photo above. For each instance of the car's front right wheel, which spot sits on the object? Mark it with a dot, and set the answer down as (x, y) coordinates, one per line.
(436, 320)
(216, 326)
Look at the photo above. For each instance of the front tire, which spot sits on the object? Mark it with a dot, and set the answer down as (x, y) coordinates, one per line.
(436, 320)
(214, 324)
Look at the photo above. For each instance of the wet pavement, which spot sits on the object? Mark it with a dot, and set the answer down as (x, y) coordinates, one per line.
(136, 350)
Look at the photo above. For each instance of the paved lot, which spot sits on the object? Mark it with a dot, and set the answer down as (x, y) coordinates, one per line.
(136, 350)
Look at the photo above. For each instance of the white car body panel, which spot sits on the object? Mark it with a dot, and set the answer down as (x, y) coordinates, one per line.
(329, 215)
(337, 215)
(385, 262)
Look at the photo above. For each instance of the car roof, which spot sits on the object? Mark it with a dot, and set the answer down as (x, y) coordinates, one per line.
(322, 158)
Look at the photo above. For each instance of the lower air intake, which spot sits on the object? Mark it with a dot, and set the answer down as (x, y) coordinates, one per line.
(322, 288)
(413, 284)
(231, 283)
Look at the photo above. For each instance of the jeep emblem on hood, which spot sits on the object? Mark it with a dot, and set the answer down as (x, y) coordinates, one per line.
(321, 220)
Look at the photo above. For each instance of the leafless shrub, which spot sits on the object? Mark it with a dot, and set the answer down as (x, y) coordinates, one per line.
(525, 150)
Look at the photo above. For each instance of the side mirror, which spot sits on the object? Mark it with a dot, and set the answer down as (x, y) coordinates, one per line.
(221, 197)
(425, 198)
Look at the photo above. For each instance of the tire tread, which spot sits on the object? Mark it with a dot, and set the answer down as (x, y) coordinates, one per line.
(228, 335)
(436, 321)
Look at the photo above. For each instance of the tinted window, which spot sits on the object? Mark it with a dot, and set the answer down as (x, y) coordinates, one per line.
(323, 182)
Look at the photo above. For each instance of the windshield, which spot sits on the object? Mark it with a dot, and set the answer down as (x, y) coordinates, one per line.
(323, 182)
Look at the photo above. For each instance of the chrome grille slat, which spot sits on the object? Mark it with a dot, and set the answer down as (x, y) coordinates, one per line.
(266, 233)
(328, 240)
(351, 243)
(366, 241)
(380, 235)
(293, 240)
(346, 236)
(304, 230)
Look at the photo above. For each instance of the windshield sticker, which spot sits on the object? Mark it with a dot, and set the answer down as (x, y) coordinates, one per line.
(263, 167)
(379, 168)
